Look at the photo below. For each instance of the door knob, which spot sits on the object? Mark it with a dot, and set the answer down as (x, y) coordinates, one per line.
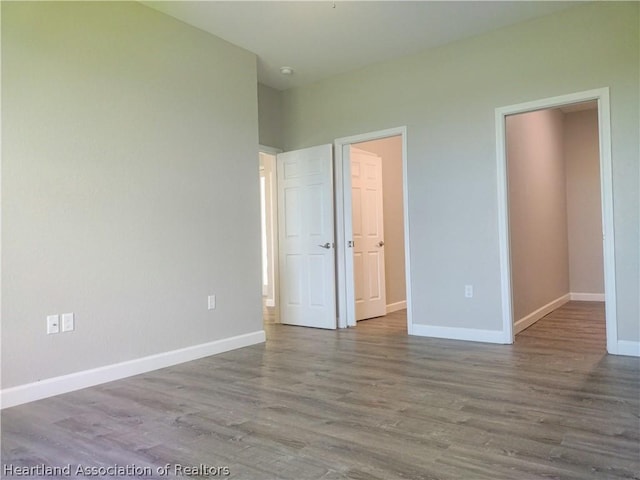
(381, 243)
(326, 245)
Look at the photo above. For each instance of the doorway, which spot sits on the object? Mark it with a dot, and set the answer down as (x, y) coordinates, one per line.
(377, 227)
(384, 276)
(516, 310)
(555, 219)
(269, 235)
(314, 160)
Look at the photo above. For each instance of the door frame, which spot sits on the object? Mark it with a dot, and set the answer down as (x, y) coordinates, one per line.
(274, 198)
(601, 95)
(345, 288)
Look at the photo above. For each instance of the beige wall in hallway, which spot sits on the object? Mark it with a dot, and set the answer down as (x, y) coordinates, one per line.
(537, 210)
(584, 211)
(390, 150)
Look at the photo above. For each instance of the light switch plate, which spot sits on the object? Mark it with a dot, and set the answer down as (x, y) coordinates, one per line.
(211, 302)
(468, 291)
(68, 323)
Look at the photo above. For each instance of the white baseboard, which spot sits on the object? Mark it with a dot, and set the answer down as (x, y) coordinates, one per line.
(623, 347)
(394, 307)
(50, 387)
(631, 349)
(533, 317)
(453, 333)
(587, 297)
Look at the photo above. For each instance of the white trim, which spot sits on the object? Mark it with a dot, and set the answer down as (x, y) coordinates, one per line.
(268, 171)
(1, 237)
(346, 315)
(269, 150)
(407, 237)
(604, 130)
(346, 310)
(273, 302)
(50, 387)
(452, 333)
(606, 182)
(587, 297)
(394, 307)
(631, 349)
(533, 317)
(503, 229)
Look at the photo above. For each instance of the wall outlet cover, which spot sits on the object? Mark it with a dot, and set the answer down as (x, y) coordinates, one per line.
(53, 324)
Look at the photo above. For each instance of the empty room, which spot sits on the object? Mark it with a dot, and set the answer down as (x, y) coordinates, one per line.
(157, 322)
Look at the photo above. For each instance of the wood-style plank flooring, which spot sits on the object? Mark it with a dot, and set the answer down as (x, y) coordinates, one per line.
(364, 403)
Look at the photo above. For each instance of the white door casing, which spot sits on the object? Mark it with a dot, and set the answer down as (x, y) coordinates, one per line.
(306, 237)
(346, 305)
(606, 187)
(368, 234)
(268, 227)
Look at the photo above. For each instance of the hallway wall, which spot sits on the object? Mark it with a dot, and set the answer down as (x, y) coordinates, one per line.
(537, 210)
(584, 209)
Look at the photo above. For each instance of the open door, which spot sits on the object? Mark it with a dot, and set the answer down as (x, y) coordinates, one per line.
(306, 237)
(368, 234)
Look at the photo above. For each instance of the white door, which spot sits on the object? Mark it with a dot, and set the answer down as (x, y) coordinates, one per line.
(306, 237)
(368, 234)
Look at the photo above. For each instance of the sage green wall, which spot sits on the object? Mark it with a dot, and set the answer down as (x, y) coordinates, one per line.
(270, 116)
(447, 98)
(129, 186)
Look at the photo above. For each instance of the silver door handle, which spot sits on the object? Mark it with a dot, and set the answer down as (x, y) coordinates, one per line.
(326, 245)
(381, 243)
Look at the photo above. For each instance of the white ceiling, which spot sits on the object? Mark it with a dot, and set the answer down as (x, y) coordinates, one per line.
(318, 39)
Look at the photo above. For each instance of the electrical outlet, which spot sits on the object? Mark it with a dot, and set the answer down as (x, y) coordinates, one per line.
(68, 324)
(468, 291)
(211, 302)
(53, 324)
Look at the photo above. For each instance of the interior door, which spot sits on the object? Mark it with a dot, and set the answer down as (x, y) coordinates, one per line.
(306, 237)
(368, 234)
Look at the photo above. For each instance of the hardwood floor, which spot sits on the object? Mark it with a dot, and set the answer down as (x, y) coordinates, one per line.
(577, 326)
(364, 403)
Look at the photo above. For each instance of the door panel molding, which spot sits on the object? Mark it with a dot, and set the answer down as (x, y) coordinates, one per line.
(367, 233)
(306, 237)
